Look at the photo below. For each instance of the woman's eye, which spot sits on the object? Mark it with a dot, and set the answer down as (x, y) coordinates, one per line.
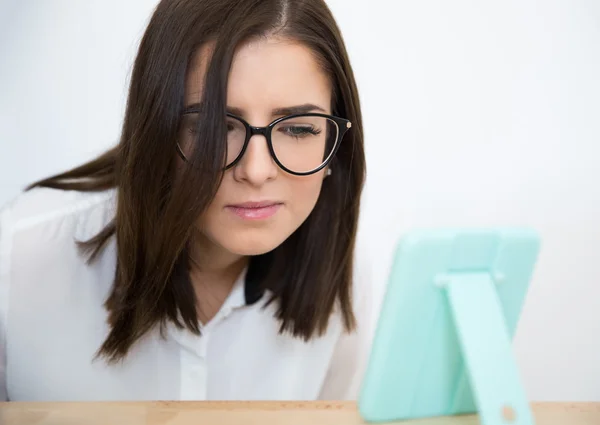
(297, 131)
(191, 126)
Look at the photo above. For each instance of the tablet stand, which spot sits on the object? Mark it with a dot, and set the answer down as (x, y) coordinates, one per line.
(486, 347)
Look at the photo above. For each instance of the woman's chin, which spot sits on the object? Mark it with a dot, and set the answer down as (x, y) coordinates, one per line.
(257, 249)
(249, 246)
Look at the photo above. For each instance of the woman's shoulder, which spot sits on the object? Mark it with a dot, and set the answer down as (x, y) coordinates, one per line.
(40, 222)
(40, 207)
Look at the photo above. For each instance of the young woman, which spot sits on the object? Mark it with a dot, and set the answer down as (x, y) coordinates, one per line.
(210, 255)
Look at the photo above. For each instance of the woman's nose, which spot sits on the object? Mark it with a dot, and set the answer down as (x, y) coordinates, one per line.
(256, 165)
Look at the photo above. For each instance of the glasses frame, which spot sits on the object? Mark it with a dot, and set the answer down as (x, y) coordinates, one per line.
(343, 126)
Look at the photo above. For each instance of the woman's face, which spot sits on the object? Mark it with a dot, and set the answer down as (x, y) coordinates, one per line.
(258, 205)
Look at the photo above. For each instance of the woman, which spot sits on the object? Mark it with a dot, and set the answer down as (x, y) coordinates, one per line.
(210, 254)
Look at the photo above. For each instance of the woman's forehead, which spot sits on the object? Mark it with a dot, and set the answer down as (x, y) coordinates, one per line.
(265, 73)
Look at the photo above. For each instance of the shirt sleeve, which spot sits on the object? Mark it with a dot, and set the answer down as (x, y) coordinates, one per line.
(4, 273)
(350, 357)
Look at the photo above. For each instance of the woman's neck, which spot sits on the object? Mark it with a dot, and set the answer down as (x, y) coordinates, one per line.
(213, 272)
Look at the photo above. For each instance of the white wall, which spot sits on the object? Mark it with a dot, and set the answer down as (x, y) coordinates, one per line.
(475, 113)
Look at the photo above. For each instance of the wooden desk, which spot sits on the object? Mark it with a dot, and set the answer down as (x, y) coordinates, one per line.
(249, 413)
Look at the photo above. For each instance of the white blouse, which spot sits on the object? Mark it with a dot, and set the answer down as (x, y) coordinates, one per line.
(52, 322)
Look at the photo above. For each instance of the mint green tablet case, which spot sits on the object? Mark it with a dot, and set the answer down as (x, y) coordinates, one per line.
(443, 340)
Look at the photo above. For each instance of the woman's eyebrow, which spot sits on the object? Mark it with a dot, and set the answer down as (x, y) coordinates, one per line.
(287, 110)
(298, 109)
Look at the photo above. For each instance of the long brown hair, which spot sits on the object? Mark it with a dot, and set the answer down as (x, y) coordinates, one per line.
(312, 270)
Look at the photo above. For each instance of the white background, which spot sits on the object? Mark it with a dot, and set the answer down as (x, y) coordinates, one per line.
(476, 113)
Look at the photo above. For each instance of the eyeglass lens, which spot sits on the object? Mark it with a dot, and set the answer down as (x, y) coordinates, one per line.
(301, 144)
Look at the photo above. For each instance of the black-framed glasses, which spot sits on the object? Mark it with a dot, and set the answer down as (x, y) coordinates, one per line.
(300, 144)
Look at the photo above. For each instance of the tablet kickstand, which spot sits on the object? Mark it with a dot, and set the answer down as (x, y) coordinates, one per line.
(486, 348)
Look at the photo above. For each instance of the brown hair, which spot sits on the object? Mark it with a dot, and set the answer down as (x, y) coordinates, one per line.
(308, 273)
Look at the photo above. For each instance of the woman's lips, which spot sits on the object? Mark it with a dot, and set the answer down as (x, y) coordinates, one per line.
(255, 210)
